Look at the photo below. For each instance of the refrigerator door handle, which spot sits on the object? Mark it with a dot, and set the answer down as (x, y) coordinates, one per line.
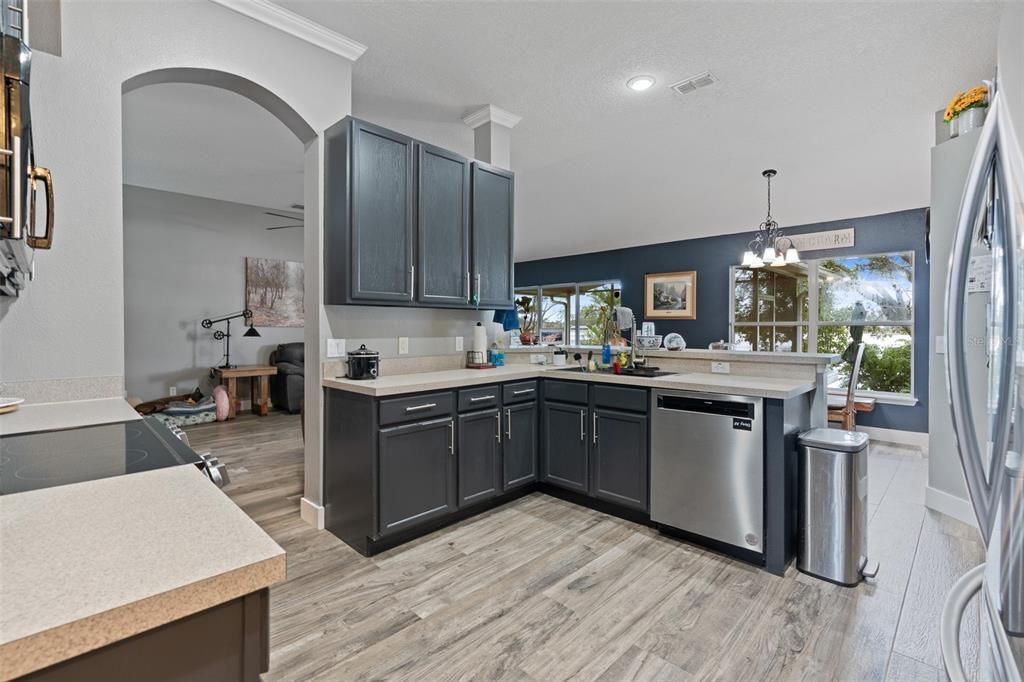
(983, 489)
(952, 614)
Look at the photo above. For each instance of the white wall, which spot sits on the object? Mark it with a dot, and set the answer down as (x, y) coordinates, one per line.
(76, 100)
(184, 260)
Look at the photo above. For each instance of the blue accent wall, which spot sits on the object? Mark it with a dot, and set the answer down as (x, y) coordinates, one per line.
(712, 257)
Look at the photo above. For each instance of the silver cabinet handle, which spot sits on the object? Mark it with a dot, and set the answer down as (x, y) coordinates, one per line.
(478, 286)
(595, 426)
(583, 426)
(497, 433)
(982, 489)
(451, 436)
(508, 424)
(482, 397)
(412, 281)
(416, 408)
(468, 294)
(523, 391)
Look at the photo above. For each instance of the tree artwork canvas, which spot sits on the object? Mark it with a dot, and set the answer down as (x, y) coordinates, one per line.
(274, 292)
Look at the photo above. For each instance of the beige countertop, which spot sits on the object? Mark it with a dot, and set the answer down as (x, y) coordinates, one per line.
(735, 384)
(92, 563)
(820, 359)
(65, 415)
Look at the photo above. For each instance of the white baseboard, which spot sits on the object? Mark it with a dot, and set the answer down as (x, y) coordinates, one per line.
(950, 505)
(311, 513)
(914, 438)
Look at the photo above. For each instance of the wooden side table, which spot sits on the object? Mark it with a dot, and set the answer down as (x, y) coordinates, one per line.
(259, 386)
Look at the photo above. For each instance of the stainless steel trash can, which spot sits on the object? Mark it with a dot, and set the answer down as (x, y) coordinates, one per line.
(833, 520)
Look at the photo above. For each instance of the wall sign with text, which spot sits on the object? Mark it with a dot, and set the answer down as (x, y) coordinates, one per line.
(819, 241)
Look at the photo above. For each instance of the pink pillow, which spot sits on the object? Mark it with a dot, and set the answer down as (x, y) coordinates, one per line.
(222, 401)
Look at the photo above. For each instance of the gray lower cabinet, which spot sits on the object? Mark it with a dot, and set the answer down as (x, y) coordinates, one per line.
(520, 448)
(564, 446)
(417, 477)
(619, 457)
(479, 456)
(443, 275)
(493, 199)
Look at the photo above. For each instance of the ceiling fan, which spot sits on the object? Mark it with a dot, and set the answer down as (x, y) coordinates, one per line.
(290, 216)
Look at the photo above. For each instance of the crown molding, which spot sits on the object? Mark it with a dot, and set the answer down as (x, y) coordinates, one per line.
(491, 114)
(296, 25)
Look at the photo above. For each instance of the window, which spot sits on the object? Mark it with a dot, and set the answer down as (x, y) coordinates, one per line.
(826, 305)
(572, 314)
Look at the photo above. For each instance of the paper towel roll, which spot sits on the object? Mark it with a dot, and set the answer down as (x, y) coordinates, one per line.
(479, 338)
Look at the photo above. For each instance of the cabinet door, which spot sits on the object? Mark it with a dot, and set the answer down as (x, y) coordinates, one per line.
(381, 256)
(479, 456)
(564, 446)
(416, 473)
(520, 449)
(619, 456)
(442, 221)
(492, 235)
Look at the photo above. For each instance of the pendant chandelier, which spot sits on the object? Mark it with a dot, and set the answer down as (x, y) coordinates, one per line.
(769, 246)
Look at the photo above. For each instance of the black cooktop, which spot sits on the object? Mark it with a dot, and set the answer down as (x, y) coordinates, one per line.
(29, 461)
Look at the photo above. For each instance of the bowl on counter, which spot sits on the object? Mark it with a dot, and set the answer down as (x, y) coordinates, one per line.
(648, 342)
(674, 342)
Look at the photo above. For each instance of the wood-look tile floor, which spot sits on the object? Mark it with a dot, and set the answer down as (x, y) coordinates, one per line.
(542, 589)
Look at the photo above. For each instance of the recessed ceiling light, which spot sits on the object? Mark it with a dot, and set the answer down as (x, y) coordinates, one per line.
(640, 83)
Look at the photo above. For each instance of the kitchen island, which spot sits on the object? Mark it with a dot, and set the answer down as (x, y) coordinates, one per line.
(409, 453)
(156, 571)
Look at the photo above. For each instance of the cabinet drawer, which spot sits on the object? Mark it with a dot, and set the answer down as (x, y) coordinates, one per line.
(620, 398)
(519, 392)
(479, 398)
(394, 410)
(565, 391)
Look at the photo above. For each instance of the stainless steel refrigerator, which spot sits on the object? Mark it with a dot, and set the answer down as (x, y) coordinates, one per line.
(987, 406)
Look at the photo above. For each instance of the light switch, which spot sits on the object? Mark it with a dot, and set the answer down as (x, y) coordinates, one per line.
(719, 367)
(403, 345)
(940, 345)
(335, 348)
(459, 343)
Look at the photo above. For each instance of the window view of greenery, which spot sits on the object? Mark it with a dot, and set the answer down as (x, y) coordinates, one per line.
(860, 298)
(564, 314)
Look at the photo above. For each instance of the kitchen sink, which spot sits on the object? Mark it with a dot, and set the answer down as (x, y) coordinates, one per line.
(636, 372)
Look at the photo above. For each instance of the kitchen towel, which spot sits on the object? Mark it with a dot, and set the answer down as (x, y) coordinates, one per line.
(508, 319)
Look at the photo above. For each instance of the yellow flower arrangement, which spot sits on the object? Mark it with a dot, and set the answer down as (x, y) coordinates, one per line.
(975, 97)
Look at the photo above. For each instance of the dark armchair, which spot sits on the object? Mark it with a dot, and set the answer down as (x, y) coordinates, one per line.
(286, 387)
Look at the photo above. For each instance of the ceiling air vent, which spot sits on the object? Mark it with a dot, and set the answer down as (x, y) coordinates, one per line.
(685, 87)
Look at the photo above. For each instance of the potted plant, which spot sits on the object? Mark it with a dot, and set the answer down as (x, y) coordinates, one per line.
(967, 110)
(527, 319)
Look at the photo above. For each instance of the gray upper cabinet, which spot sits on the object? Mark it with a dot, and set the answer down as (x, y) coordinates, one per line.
(416, 473)
(619, 457)
(564, 446)
(410, 224)
(493, 199)
(443, 275)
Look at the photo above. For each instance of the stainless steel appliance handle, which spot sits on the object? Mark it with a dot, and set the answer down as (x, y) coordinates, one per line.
(497, 433)
(17, 222)
(482, 397)
(39, 174)
(508, 423)
(583, 425)
(416, 408)
(952, 614)
(980, 489)
(595, 426)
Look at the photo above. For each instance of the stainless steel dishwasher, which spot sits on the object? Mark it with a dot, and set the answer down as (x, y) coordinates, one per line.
(707, 466)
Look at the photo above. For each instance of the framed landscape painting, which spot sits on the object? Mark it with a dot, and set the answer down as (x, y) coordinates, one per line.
(670, 296)
(274, 292)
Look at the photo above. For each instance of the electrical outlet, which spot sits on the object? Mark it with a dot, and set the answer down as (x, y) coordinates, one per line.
(335, 348)
(403, 345)
(940, 345)
(719, 367)
(459, 343)
(174, 390)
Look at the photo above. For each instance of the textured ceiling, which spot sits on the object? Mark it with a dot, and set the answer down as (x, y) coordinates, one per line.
(209, 142)
(838, 96)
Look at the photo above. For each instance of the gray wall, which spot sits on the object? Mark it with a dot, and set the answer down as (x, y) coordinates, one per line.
(184, 260)
(712, 257)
